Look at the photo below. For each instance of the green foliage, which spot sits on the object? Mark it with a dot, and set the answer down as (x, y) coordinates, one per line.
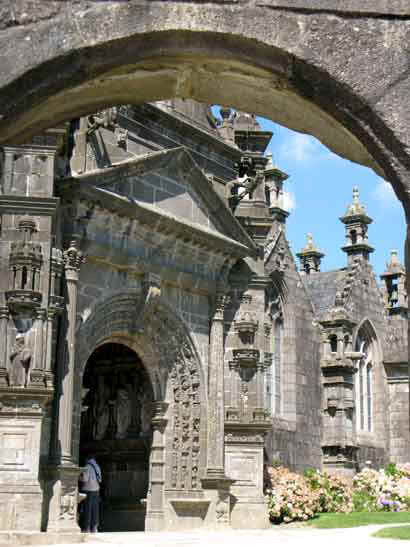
(363, 501)
(391, 469)
(351, 520)
(398, 532)
(312, 477)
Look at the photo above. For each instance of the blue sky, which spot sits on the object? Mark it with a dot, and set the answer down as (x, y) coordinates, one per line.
(320, 189)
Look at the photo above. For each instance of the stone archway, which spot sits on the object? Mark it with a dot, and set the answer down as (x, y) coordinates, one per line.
(159, 337)
(290, 63)
(116, 428)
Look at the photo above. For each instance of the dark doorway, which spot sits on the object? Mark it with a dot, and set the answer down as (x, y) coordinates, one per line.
(116, 427)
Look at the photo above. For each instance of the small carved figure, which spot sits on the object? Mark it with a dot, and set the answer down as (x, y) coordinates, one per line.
(101, 410)
(20, 359)
(122, 412)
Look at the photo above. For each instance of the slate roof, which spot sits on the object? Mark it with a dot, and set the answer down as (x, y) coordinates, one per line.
(322, 288)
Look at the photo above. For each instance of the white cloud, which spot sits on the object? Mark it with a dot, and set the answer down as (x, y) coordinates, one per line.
(288, 201)
(301, 148)
(384, 193)
(298, 147)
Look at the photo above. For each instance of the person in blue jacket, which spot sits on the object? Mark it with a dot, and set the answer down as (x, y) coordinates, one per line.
(90, 480)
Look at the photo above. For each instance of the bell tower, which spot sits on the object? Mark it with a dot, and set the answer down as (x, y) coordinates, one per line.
(356, 223)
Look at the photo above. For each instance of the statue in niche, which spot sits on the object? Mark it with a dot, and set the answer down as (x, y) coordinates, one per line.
(20, 359)
(101, 409)
(123, 412)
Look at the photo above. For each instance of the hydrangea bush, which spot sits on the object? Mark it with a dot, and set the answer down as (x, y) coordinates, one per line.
(292, 496)
(386, 490)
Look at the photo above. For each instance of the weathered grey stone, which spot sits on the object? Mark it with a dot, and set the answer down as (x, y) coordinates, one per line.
(171, 230)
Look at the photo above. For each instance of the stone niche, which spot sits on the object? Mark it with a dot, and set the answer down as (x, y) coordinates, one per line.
(116, 427)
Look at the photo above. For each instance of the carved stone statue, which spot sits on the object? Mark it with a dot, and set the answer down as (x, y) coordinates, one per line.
(123, 412)
(20, 359)
(101, 410)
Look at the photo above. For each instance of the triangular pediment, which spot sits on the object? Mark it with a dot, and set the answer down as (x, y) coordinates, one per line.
(170, 181)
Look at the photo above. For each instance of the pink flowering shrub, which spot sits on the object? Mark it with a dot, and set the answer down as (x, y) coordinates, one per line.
(335, 492)
(384, 490)
(292, 496)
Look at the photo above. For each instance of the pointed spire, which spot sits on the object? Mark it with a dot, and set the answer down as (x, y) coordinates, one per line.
(356, 222)
(394, 266)
(310, 257)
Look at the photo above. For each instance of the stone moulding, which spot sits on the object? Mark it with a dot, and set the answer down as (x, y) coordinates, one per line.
(22, 205)
(19, 300)
(246, 325)
(156, 219)
(246, 358)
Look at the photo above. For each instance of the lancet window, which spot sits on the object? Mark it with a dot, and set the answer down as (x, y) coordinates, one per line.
(364, 384)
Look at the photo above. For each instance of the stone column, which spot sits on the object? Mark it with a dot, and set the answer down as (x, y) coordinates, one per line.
(62, 475)
(259, 413)
(155, 504)
(37, 374)
(73, 259)
(4, 316)
(49, 376)
(216, 453)
(215, 480)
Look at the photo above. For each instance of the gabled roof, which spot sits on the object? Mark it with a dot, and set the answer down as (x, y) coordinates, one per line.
(227, 228)
(322, 288)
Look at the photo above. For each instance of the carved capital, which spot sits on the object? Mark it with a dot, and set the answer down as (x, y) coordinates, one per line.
(221, 302)
(4, 312)
(73, 259)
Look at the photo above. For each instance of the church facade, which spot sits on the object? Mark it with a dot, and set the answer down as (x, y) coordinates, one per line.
(153, 314)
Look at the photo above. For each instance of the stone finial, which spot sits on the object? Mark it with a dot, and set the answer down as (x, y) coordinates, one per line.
(356, 223)
(355, 208)
(309, 243)
(394, 266)
(310, 256)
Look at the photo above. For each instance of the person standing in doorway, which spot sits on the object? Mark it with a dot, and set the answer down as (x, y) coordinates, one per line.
(90, 480)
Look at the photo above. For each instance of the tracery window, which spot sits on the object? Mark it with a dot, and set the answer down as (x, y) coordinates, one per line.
(364, 384)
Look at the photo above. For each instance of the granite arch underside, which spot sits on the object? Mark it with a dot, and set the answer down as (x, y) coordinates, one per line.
(162, 342)
(277, 62)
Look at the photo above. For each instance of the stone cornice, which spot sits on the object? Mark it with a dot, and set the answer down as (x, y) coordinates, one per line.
(156, 219)
(28, 205)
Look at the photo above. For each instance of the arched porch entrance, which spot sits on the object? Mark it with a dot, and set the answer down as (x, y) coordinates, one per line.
(133, 346)
(116, 427)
